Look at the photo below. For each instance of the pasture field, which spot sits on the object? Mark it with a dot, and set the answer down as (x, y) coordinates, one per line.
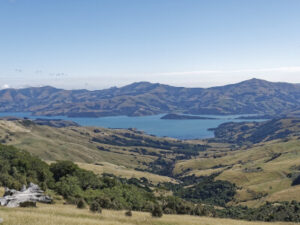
(59, 214)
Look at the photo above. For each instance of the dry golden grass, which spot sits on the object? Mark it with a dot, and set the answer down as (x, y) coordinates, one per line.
(205, 172)
(270, 179)
(1, 191)
(72, 143)
(69, 215)
(105, 167)
(289, 194)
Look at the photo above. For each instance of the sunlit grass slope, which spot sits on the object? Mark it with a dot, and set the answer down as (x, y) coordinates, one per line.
(263, 172)
(122, 171)
(81, 144)
(69, 215)
(76, 144)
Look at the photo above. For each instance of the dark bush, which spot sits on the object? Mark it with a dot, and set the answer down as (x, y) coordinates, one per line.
(157, 211)
(62, 169)
(296, 181)
(169, 211)
(28, 204)
(128, 213)
(95, 207)
(81, 204)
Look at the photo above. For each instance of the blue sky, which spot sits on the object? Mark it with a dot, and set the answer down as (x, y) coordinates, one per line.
(97, 44)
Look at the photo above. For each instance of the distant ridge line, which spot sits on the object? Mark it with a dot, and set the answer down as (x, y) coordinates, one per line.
(254, 96)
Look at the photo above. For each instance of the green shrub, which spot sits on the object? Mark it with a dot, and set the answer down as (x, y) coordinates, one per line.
(63, 168)
(95, 207)
(157, 211)
(68, 187)
(81, 204)
(169, 211)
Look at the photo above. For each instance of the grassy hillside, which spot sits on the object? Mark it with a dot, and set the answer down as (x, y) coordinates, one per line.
(263, 172)
(122, 171)
(202, 177)
(98, 149)
(246, 133)
(69, 215)
(129, 148)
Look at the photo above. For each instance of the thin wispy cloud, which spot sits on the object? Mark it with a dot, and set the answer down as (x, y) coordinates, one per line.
(38, 72)
(293, 69)
(58, 74)
(19, 70)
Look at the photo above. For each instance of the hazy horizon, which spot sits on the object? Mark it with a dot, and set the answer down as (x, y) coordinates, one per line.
(119, 86)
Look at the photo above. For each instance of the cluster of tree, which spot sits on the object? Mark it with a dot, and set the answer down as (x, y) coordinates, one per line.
(19, 167)
(129, 139)
(176, 205)
(108, 191)
(67, 179)
(280, 211)
(162, 166)
(203, 189)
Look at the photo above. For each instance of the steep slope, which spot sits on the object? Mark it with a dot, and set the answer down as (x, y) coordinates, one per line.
(143, 98)
(255, 132)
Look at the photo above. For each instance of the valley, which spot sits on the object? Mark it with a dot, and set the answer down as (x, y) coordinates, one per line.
(263, 169)
(249, 170)
(131, 112)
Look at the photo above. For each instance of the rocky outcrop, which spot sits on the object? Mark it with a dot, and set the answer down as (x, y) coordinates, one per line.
(32, 194)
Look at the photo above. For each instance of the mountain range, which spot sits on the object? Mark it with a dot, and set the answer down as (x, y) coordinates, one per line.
(143, 98)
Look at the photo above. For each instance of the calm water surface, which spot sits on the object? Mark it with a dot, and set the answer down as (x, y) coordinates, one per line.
(183, 129)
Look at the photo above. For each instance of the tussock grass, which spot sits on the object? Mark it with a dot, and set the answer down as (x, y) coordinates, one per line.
(68, 215)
